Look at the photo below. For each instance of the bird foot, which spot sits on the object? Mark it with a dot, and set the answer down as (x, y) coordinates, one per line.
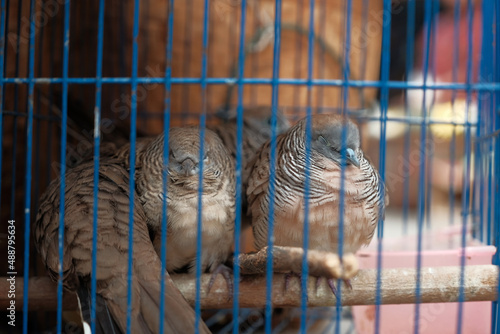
(227, 273)
(331, 284)
(347, 283)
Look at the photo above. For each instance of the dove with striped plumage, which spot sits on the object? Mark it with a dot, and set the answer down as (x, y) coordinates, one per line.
(362, 188)
(218, 201)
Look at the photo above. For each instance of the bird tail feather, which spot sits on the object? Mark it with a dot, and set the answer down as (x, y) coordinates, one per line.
(178, 314)
(104, 322)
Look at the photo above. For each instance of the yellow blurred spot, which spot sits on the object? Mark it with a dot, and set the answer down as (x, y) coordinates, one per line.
(449, 113)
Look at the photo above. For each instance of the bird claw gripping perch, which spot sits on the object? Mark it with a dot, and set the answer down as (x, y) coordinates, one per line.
(227, 273)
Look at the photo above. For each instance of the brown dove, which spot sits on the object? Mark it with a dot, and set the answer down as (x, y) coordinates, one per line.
(218, 211)
(362, 188)
(112, 252)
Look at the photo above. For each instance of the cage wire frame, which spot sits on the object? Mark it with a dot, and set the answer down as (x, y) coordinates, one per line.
(484, 208)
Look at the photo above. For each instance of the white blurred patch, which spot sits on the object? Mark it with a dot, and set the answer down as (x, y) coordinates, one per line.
(416, 96)
(86, 328)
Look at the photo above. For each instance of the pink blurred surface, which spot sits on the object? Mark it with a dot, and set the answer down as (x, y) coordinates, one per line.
(439, 249)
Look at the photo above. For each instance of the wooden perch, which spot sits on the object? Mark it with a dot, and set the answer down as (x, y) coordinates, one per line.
(286, 259)
(42, 294)
(438, 285)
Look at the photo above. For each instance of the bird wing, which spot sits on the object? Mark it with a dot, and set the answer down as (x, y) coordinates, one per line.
(112, 250)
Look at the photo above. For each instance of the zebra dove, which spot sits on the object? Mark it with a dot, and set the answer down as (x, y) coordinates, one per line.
(218, 208)
(362, 188)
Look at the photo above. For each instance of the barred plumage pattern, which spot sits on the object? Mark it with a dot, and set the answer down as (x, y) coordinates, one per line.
(362, 189)
(112, 254)
(218, 209)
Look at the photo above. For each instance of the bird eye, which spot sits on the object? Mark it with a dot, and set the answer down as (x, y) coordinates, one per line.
(323, 141)
(269, 120)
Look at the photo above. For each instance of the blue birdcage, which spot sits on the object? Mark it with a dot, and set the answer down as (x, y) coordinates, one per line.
(420, 78)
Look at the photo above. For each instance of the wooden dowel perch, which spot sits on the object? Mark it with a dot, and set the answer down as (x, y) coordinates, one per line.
(438, 285)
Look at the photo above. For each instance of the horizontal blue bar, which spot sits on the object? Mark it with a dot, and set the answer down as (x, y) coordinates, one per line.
(490, 86)
(357, 114)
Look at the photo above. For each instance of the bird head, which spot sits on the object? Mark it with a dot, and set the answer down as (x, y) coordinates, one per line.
(327, 138)
(184, 153)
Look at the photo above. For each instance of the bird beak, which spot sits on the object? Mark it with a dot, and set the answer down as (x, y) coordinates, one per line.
(352, 158)
(188, 167)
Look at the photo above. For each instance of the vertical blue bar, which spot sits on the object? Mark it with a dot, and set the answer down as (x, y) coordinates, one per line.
(16, 109)
(239, 166)
(364, 60)
(2, 58)
(321, 61)
(203, 117)
(479, 165)
(494, 68)
(186, 62)
(343, 153)
(36, 191)
(423, 136)
(97, 137)
(133, 134)
(298, 52)
(307, 184)
(429, 138)
(166, 132)
(62, 185)
(456, 52)
(50, 113)
(255, 59)
(496, 174)
(272, 165)
(384, 105)
(466, 177)
(489, 204)
(485, 99)
(410, 50)
(29, 143)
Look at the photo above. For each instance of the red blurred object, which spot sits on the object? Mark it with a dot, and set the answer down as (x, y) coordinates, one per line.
(444, 48)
